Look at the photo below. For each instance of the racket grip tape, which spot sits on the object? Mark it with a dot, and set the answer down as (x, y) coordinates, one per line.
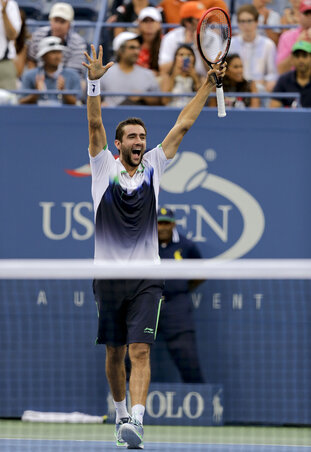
(220, 102)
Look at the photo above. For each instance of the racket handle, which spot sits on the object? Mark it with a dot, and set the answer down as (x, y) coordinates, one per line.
(220, 102)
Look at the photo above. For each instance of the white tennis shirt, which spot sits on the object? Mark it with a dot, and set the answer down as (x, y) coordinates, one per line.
(125, 207)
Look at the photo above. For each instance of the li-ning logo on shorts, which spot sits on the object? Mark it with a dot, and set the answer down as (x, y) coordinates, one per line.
(149, 330)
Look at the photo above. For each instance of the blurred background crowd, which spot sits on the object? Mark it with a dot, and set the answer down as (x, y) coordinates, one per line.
(153, 45)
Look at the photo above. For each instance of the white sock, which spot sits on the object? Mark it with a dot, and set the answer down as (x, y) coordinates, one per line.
(121, 410)
(138, 412)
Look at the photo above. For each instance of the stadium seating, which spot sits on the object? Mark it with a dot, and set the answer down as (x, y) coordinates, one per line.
(277, 5)
(33, 8)
(84, 9)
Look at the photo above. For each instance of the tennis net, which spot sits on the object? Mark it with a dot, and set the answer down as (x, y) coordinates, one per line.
(252, 322)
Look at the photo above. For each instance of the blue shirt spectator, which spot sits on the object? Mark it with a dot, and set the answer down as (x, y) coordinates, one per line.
(51, 76)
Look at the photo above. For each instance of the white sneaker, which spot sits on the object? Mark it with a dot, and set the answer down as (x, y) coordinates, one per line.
(132, 433)
(119, 440)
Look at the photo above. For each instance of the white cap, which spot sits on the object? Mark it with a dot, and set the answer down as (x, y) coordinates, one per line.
(151, 12)
(121, 38)
(63, 10)
(49, 44)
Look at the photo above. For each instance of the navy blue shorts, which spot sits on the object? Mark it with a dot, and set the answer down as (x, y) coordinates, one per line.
(128, 310)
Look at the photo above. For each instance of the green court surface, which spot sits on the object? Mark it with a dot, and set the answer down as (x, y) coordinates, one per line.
(282, 436)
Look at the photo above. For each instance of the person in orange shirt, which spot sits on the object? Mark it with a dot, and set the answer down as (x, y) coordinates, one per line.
(171, 8)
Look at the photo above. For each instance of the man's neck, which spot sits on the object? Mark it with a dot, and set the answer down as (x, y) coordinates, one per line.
(131, 170)
(249, 37)
(126, 67)
(62, 37)
(50, 70)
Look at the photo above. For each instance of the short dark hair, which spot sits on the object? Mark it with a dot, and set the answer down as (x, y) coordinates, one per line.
(126, 122)
(248, 8)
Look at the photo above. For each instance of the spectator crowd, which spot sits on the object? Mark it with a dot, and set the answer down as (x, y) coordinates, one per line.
(270, 53)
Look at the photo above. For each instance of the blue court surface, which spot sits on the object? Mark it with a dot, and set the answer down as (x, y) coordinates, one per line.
(38, 445)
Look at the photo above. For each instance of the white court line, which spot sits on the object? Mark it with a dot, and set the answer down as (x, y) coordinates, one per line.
(156, 442)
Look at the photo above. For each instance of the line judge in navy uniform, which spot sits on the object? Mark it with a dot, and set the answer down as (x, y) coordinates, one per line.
(176, 323)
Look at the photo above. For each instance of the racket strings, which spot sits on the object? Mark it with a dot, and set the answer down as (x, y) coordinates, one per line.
(214, 36)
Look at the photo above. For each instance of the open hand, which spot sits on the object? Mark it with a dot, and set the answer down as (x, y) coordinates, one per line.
(95, 66)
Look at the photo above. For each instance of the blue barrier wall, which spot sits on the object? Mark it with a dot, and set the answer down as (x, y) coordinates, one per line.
(248, 181)
(240, 187)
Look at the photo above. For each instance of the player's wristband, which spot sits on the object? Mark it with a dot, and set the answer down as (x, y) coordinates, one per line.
(93, 87)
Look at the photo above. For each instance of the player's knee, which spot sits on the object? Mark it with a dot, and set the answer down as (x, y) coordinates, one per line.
(139, 352)
(115, 354)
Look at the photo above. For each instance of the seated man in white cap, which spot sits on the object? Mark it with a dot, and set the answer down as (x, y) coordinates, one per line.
(126, 76)
(61, 17)
(51, 75)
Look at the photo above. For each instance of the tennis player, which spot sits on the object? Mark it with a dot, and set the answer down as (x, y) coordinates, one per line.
(125, 196)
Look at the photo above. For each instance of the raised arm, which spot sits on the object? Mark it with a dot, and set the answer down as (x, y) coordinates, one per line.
(10, 32)
(97, 133)
(190, 112)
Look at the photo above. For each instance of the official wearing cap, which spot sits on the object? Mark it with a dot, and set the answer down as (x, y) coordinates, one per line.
(176, 323)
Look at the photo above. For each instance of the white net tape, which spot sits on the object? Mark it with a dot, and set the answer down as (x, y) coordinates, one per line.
(166, 269)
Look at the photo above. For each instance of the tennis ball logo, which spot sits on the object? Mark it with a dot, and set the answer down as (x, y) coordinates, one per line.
(186, 172)
(189, 171)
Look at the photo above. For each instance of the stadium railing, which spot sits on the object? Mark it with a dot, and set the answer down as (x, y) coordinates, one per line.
(294, 96)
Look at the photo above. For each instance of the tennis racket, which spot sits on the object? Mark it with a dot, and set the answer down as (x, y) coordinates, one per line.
(214, 37)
